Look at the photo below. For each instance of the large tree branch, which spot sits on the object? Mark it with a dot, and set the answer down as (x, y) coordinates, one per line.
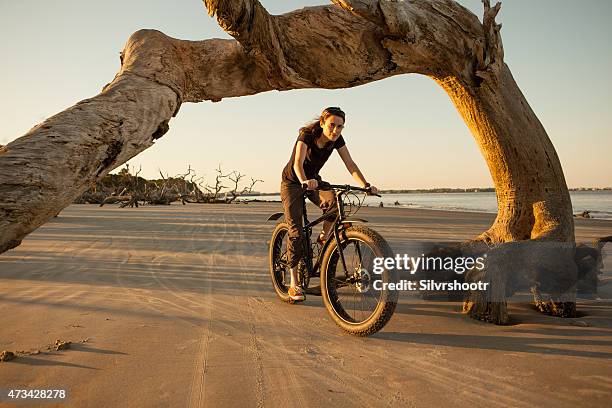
(336, 46)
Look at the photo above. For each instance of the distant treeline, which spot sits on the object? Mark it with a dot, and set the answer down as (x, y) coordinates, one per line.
(475, 190)
(450, 190)
(441, 190)
(591, 189)
(431, 190)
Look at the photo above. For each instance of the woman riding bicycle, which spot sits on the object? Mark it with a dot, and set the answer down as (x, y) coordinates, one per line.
(314, 145)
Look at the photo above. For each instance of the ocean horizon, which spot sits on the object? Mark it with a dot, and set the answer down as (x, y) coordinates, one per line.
(598, 203)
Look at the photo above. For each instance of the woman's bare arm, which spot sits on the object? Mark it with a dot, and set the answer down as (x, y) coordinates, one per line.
(298, 165)
(351, 166)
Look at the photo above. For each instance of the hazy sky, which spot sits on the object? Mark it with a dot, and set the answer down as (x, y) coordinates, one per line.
(403, 131)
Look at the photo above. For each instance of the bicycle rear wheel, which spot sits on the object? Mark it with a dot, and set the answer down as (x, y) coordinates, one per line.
(278, 261)
(357, 299)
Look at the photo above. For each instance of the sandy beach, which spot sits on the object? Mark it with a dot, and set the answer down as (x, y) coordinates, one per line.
(173, 306)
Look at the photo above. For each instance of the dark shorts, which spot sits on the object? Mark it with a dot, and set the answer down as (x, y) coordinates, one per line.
(291, 196)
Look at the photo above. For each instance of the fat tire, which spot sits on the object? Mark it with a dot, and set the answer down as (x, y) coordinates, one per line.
(279, 233)
(386, 306)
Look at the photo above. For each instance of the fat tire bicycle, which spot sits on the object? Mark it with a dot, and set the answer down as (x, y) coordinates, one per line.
(357, 299)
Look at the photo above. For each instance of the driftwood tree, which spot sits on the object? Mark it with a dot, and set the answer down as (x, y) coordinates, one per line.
(235, 192)
(131, 190)
(43, 171)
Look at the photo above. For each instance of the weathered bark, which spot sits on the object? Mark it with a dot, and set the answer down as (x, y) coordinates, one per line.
(43, 171)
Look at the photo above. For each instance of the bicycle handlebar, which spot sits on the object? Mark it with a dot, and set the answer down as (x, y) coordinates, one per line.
(325, 186)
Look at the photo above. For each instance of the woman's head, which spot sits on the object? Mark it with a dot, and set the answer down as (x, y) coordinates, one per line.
(332, 122)
(329, 124)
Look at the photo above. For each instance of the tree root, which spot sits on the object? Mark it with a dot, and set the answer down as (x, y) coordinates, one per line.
(491, 312)
(551, 307)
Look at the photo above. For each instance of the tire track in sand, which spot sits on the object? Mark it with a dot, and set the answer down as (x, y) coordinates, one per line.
(197, 388)
(255, 347)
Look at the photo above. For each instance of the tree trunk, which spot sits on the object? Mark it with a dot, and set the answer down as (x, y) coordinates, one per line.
(43, 171)
(532, 196)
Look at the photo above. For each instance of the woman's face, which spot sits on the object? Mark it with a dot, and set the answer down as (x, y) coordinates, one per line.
(332, 127)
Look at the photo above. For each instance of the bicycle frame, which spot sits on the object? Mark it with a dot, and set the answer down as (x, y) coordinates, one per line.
(337, 226)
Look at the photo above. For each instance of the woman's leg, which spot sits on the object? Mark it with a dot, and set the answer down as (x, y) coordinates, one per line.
(326, 201)
(291, 196)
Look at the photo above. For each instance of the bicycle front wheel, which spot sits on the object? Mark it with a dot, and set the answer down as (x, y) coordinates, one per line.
(358, 299)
